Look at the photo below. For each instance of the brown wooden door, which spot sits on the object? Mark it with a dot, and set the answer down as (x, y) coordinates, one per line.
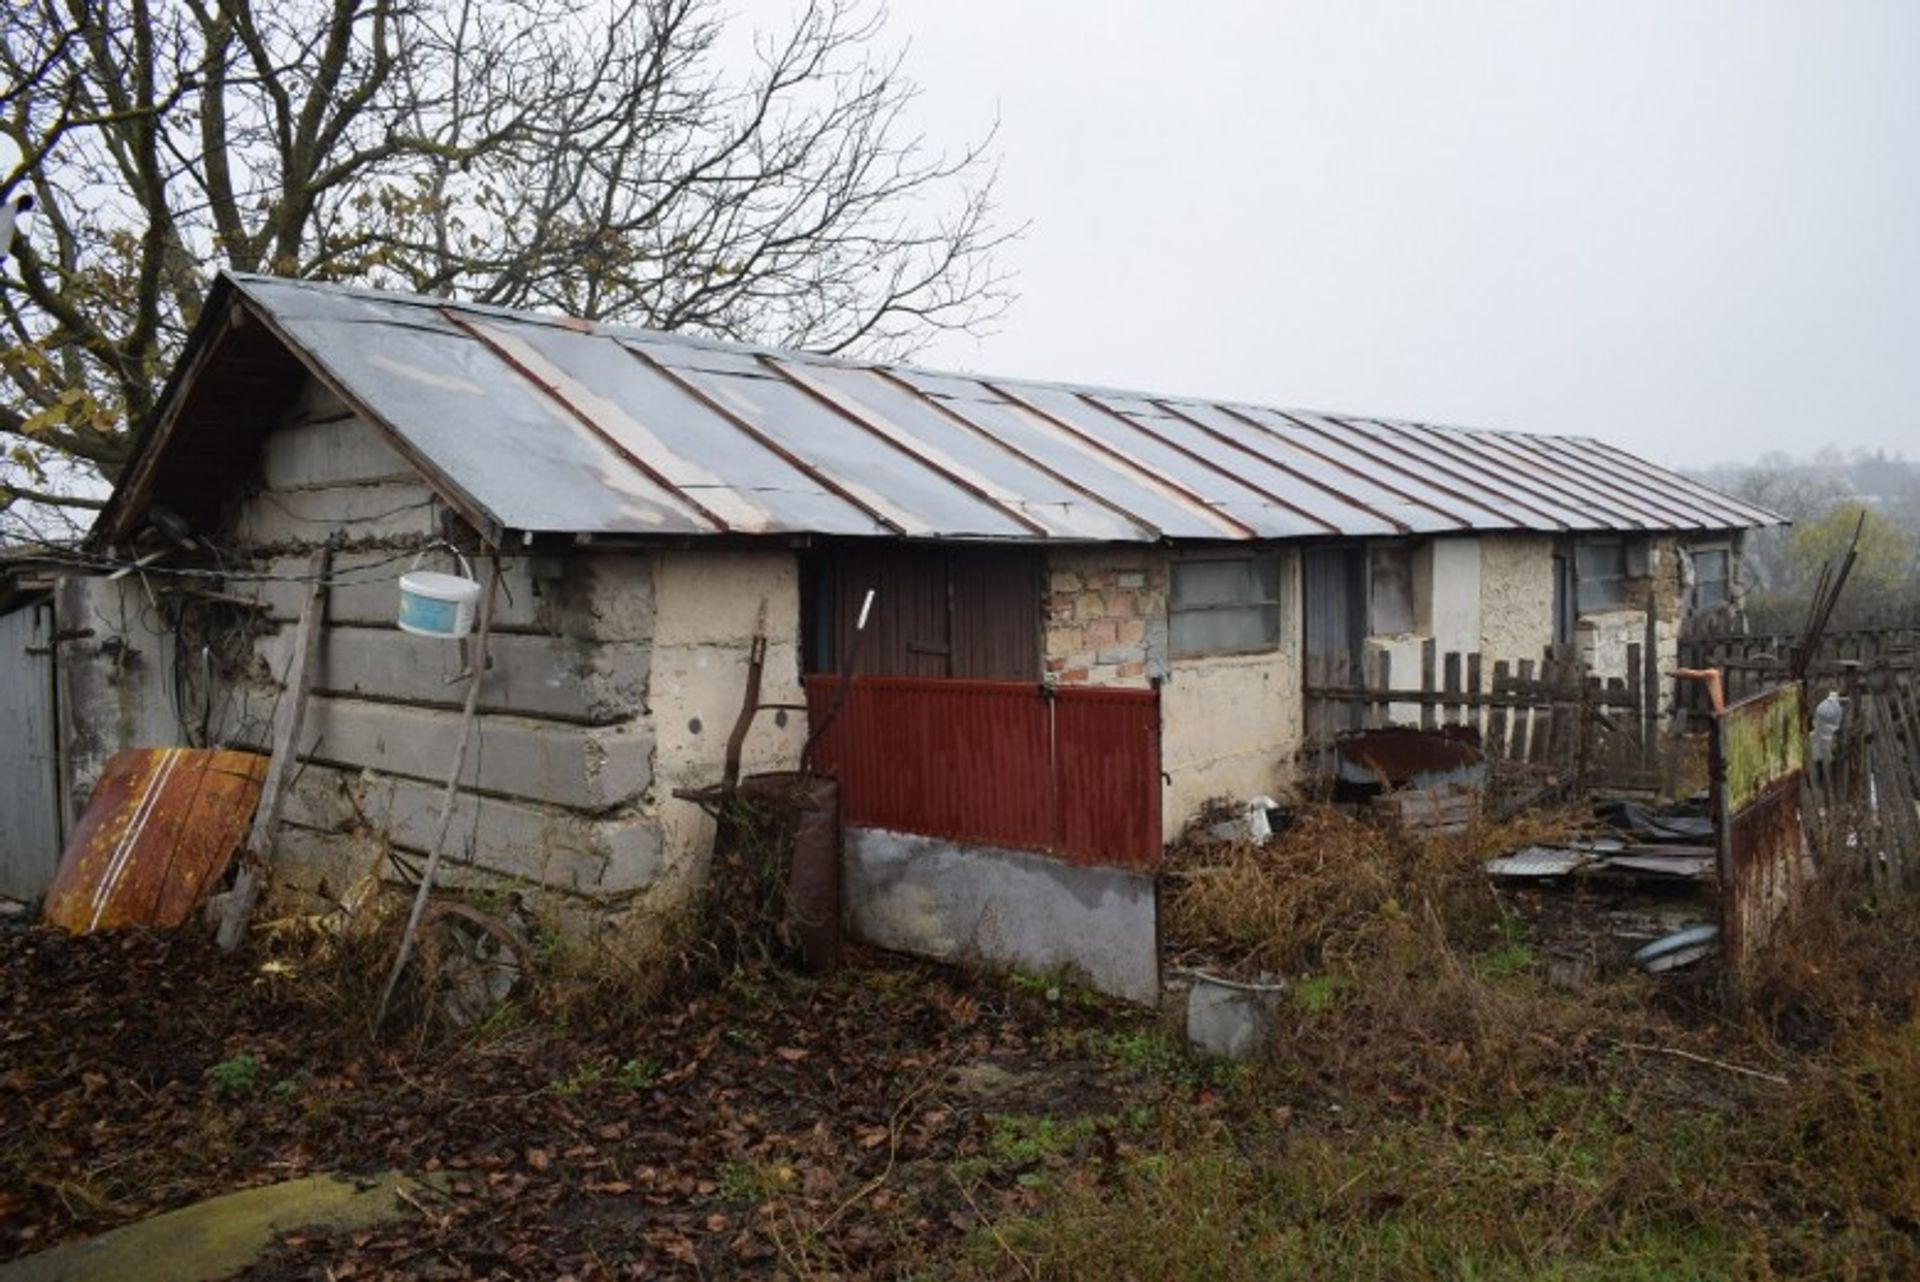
(938, 611)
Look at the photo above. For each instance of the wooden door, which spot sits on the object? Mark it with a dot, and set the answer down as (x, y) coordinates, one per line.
(1334, 615)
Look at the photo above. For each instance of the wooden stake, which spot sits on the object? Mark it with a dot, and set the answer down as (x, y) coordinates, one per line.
(257, 860)
(420, 897)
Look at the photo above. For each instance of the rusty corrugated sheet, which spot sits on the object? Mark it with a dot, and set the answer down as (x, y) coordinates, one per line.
(1106, 771)
(1759, 759)
(539, 424)
(1074, 773)
(160, 829)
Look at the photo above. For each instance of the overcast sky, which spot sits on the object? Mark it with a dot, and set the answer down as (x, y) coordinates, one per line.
(1689, 228)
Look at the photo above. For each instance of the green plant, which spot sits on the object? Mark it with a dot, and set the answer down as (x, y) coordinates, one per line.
(1318, 994)
(236, 1076)
(1510, 959)
(290, 1086)
(744, 1181)
(638, 1074)
(582, 1077)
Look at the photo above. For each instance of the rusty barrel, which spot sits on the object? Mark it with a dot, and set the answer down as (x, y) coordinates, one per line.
(806, 811)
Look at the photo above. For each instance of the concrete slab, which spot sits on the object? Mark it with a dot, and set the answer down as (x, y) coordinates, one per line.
(223, 1235)
(366, 590)
(364, 513)
(340, 451)
(572, 852)
(955, 902)
(581, 767)
(536, 676)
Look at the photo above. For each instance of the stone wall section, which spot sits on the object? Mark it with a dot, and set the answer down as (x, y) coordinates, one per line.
(1106, 616)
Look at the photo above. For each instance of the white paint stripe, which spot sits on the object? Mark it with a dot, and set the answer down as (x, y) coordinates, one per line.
(129, 837)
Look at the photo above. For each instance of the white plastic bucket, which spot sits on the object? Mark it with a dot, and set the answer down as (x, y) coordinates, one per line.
(433, 604)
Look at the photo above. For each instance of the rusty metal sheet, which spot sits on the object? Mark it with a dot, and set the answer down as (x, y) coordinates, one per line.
(1759, 760)
(1071, 772)
(159, 831)
(535, 423)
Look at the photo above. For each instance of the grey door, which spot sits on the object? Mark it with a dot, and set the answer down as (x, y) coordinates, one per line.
(1334, 612)
(29, 757)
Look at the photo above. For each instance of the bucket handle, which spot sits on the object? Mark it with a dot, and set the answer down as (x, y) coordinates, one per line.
(466, 567)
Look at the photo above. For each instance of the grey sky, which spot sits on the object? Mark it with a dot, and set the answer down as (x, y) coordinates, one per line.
(1689, 228)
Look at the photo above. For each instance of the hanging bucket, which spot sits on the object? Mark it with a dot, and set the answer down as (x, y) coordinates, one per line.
(433, 604)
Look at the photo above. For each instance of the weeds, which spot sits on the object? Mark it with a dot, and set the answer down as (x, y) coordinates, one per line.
(236, 1076)
(1445, 1112)
(578, 1082)
(638, 1074)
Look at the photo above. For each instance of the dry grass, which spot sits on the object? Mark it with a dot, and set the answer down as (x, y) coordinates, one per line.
(1437, 1108)
(1319, 894)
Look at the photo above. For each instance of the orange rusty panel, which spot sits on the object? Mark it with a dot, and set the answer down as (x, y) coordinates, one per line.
(159, 831)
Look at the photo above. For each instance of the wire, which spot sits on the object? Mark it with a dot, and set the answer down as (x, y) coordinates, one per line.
(354, 576)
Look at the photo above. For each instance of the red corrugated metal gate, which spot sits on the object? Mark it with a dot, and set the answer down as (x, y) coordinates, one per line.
(1069, 771)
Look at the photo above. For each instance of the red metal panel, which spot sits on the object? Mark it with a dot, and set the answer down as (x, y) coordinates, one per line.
(961, 759)
(1107, 776)
(1075, 773)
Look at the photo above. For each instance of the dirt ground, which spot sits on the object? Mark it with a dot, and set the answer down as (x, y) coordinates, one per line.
(1503, 1103)
(777, 1125)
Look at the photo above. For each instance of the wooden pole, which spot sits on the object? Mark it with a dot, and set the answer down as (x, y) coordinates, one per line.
(420, 897)
(258, 856)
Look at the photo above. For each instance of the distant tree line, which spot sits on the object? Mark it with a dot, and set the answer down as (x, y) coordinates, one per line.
(1827, 496)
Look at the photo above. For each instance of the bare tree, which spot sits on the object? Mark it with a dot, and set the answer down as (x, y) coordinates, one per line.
(629, 160)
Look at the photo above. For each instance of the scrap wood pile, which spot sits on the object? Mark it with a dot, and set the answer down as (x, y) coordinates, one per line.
(767, 1126)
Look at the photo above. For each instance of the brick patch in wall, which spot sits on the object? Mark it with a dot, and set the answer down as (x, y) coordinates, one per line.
(1102, 624)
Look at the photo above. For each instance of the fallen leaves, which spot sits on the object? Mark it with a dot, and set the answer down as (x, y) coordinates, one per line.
(761, 1114)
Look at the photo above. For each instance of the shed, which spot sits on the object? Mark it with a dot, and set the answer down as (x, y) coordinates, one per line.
(1093, 610)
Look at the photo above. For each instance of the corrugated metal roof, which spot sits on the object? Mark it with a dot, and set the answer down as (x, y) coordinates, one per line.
(555, 425)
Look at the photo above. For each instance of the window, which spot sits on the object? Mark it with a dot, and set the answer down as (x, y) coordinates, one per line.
(1600, 576)
(1389, 589)
(1225, 606)
(1711, 578)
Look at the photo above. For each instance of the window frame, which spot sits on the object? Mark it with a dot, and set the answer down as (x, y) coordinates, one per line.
(1248, 559)
(1581, 607)
(1725, 552)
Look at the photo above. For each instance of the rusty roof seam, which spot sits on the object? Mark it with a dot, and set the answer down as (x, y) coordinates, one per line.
(954, 416)
(1185, 496)
(1325, 487)
(1218, 469)
(1565, 462)
(1245, 414)
(1678, 485)
(726, 415)
(473, 330)
(1298, 419)
(1371, 431)
(948, 472)
(1537, 470)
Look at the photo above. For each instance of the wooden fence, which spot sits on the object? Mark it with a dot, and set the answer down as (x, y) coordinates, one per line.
(1550, 717)
(1752, 663)
(1864, 789)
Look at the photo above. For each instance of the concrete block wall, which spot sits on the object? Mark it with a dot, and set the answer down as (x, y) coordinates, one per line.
(558, 791)
(115, 672)
(1106, 616)
(707, 605)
